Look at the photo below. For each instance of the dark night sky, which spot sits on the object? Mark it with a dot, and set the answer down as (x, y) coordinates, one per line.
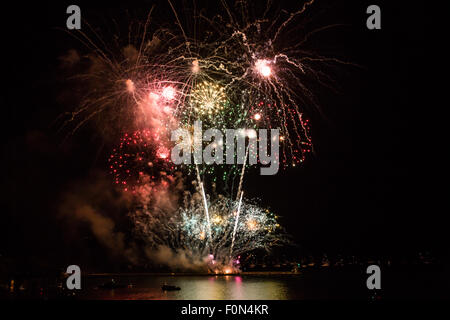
(368, 190)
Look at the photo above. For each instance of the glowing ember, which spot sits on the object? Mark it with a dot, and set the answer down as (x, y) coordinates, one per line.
(163, 153)
(195, 66)
(169, 93)
(252, 225)
(130, 85)
(263, 68)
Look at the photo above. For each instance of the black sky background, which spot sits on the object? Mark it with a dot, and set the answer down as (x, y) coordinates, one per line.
(370, 188)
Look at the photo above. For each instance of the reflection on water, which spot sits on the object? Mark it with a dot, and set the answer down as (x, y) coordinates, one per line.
(312, 285)
(196, 288)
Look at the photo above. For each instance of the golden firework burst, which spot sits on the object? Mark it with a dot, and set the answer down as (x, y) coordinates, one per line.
(208, 98)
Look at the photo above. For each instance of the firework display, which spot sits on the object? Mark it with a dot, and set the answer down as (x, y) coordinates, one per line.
(240, 72)
(237, 227)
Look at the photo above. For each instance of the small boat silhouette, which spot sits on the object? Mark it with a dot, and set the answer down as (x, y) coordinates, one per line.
(166, 287)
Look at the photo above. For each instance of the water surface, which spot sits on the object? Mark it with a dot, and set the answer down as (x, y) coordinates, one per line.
(236, 287)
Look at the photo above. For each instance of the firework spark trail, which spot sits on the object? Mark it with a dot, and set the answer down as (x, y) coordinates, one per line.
(242, 174)
(205, 204)
(236, 224)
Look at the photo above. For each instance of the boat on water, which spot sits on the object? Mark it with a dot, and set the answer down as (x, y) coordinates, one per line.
(166, 287)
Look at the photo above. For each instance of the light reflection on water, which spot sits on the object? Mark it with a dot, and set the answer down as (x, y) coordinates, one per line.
(196, 288)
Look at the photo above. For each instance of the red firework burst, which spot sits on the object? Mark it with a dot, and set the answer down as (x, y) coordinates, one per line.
(141, 158)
